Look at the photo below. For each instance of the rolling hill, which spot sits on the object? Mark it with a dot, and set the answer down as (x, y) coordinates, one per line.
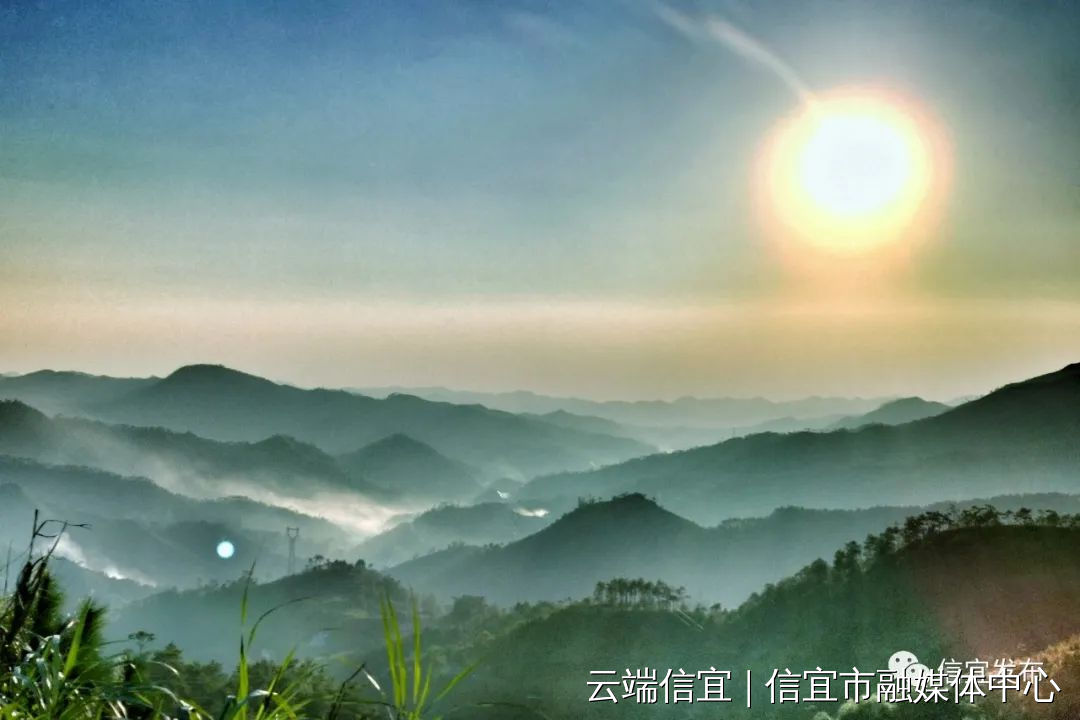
(895, 412)
(183, 462)
(329, 608)
(954, 594)
(685, 412)
(141, 531)
(632, 536)
(224, 404)
(1020, 438)
(408, 468)
(435, 529)
(66, 392)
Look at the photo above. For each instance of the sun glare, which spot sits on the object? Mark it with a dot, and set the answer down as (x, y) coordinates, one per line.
(851, 171)
(225, 549)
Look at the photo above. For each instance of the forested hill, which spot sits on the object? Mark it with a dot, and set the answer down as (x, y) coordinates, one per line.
(941, 587)
(330, 607)
(633, 536)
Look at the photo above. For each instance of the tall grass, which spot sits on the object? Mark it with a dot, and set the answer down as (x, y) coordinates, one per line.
(410, 682)
(61, 674)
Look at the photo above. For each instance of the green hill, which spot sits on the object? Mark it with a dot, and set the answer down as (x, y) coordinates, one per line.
(632, 536)
(442, 526)
(895, 412)
(966, 592)
(329, 608)
(564, 558)
(412, 470)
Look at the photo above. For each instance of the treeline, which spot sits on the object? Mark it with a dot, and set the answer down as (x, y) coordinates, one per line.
(928, 525)
(639, 593)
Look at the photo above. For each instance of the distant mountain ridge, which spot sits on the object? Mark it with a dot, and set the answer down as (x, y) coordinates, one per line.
(224, 404)
(895, 412)
(67, 392)
(182, 461)
(1020, 438)
(712, 413)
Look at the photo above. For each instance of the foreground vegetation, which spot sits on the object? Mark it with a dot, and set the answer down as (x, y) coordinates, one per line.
(57, 668)
(945, 584)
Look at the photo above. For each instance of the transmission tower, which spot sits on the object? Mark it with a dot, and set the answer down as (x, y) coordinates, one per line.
(292, 533)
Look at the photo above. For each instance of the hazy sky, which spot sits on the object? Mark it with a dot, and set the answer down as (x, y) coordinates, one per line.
(546, 195)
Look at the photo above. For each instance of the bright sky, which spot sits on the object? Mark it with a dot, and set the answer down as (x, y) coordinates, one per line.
(559, 196)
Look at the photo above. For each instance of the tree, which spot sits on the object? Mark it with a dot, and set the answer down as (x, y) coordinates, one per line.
(141, 638)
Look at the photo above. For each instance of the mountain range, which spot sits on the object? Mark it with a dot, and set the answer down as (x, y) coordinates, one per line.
(699, 413)
(222, 404)
(632, 536)
(394, 469)
(132, 528)
(1019, 438)
(181, 461)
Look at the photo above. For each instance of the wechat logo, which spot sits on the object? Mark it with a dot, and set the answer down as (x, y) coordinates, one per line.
(905, 664)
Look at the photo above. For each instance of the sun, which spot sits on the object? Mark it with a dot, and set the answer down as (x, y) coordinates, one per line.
(854, 163)
(851, 171)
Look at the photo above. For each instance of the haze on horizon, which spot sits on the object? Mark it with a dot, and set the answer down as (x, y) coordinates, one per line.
(549, 196)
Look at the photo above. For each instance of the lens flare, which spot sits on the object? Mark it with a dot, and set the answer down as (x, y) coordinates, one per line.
(851, 171)
(225, 549)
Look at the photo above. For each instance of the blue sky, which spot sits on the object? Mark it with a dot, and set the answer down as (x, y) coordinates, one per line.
(550, 195)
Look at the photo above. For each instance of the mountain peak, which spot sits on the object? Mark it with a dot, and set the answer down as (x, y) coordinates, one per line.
(912, 401)
(399, 442)
(632, 509)
(209, 376)
(401, 463)
(395, 448)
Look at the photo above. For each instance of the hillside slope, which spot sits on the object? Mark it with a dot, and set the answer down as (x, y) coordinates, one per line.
(405, 467)
(329, 608)
(67, 392)
(974, 592)
(895, 412)
(225, 404)
(1021, 438)
(442, 526)
(632, 536)
(180, 461)
(138, 530)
